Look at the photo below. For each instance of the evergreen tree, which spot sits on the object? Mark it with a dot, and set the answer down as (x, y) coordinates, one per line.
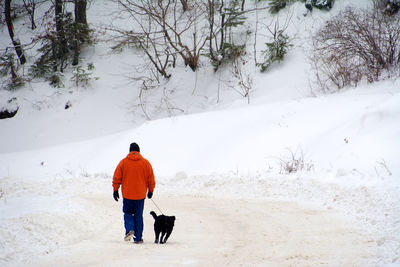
(65, 36)
(231, 17)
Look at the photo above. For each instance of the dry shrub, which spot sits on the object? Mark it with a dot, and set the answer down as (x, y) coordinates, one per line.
(294, 162)
(354, 45)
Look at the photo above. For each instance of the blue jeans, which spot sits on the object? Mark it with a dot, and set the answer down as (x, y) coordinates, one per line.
(133, 217)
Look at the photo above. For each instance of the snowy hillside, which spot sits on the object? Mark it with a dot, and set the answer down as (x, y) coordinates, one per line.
(294, 178)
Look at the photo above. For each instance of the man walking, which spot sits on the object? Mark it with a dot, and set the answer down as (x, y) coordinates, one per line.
(136, 176)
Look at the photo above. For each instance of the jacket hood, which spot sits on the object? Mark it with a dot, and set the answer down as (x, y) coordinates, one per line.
(134, 155)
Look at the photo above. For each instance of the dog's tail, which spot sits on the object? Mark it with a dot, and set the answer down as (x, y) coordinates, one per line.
(154, 214)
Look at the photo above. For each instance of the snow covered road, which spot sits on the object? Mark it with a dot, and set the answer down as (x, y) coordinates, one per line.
(220, 232)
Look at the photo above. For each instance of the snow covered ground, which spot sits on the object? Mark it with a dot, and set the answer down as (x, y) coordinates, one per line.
(226, 232)
(220, 168)
(57, 200)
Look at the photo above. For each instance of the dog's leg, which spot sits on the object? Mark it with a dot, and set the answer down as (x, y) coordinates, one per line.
(167, 236)
(162, 238)
(157, 236)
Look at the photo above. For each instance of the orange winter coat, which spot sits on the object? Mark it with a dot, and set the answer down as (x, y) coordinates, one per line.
(136, 176)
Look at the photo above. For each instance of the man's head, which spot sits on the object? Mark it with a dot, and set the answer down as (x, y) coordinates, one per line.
(134, 147)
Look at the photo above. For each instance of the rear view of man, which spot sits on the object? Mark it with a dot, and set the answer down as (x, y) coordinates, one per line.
(136, 176)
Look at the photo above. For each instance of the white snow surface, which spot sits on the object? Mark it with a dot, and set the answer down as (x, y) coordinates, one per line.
(219, 164)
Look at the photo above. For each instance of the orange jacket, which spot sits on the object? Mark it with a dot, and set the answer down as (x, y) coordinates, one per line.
(136, 176)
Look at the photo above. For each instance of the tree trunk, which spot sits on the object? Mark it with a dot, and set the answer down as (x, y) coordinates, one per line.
(61, 42)
(222, 12)
(81, 28)
(30, 8)
(75, 60)
(185, 5)
(211, 22)
(15, 41)
(80, 11)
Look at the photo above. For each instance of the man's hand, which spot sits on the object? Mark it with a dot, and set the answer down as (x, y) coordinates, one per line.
(149, 195)
(116, 195)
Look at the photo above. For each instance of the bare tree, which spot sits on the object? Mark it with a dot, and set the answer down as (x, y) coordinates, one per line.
(243, 82)
(30, 7)
(356, 44)
(166, 31)
(151, 43)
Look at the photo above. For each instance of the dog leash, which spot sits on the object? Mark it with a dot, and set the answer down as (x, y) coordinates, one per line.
(156, 206)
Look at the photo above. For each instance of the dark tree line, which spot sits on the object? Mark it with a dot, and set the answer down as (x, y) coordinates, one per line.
(61, 41)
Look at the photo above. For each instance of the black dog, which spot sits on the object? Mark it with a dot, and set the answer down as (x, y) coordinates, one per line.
(164, 225)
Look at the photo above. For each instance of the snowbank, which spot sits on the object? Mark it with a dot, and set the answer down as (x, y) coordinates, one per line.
(56, 165)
